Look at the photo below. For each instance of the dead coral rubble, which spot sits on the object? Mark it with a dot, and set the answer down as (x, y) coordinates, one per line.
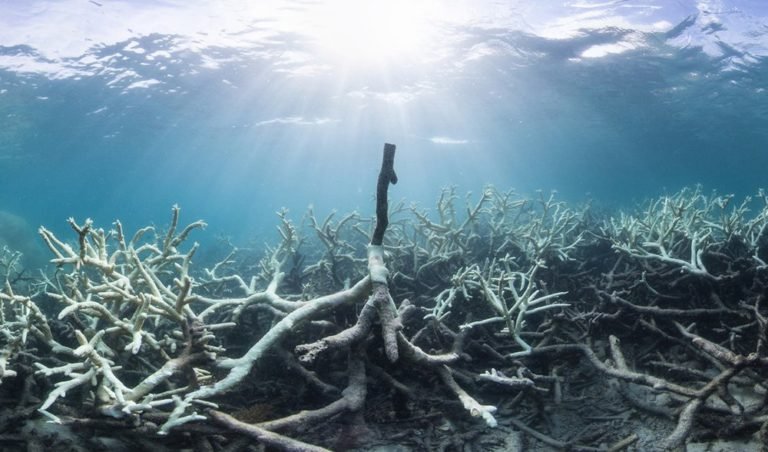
(558, 327)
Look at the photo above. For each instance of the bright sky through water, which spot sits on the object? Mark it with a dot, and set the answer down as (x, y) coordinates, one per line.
(236, 108)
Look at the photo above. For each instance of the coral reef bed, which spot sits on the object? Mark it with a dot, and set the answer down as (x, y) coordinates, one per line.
(492, 323)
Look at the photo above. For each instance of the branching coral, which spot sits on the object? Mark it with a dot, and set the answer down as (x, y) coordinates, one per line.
(496, 300)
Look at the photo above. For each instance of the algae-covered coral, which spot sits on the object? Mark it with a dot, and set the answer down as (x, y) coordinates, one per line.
(549, 326)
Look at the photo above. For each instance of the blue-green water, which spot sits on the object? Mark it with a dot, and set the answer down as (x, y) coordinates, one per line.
(234, 109)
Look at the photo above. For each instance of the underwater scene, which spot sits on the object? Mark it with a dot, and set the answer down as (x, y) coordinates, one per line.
(368, 225)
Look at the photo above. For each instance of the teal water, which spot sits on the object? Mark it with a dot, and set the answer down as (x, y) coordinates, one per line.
(121, 109)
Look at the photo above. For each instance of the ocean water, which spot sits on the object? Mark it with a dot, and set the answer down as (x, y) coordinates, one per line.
(121, 109)
(237, 109)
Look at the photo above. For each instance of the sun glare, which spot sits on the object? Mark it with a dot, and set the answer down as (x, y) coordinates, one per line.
(373, 30)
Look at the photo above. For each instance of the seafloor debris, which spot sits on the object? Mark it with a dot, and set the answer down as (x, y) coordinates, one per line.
(551, 326)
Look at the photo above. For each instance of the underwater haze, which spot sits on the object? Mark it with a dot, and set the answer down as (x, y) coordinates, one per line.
(234, 109)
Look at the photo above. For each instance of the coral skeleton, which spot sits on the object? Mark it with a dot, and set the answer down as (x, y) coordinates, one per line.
(498, 307)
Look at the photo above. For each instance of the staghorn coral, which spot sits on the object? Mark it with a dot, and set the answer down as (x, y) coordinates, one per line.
(508, 308)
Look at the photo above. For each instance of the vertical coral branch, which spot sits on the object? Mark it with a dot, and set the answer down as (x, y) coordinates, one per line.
(390, 322)
(387, 176)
